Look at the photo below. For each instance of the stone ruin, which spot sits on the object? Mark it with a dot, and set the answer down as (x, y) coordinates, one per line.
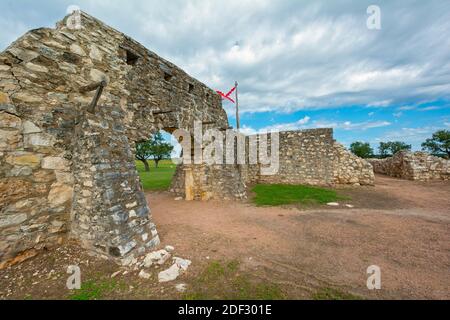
(73, 104)
(419, 166)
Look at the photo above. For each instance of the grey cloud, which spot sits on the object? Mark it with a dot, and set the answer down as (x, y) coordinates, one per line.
(287, 55)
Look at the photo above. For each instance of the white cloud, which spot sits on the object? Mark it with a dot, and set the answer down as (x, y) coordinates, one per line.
(287, 55)
(306, 123)
(431, 108)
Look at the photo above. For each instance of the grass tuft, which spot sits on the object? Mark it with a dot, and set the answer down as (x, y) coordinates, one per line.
(224, 281)
(280, 194)
(334, 294)
(91, 290)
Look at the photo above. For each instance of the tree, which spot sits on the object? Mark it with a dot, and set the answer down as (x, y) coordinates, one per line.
(143, 153)
(154, 148)
(159, 149)
(392, 147)
(439, 143)
(361, 149)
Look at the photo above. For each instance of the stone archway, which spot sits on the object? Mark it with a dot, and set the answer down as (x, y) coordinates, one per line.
(68, 172)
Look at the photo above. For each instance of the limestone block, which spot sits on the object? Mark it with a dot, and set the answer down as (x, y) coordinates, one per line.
(9, 121)
(23, 54)
(20, 172)
(74, 48)
(9, 139)
(4, 98)
(97, 76)
(11, 220)
(56, 163)
(27, 97)
(24, 159)
(60, 194)
(29, 128)
(36, 68)
(38, 140)
(43, 176)
(64, 177)
(95, 53)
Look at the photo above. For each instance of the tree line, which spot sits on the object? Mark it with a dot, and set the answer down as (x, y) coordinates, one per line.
(438, 144)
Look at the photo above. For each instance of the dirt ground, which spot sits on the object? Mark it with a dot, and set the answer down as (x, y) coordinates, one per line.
(401, 226)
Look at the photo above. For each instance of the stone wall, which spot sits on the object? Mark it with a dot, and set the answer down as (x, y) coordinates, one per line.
(48, 144)
(66, 172)
(419, 166)
(313, 157)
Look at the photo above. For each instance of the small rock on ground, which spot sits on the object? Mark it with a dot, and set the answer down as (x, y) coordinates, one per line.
(181, 287)
(333, 204)
(144, 275)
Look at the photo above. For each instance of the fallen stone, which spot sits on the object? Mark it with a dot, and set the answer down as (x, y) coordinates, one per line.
(144, 275)
(157, 257)
(181, 287)
(178, 199)
(182, 263)
(333, 204)
(170, 249)
(349, 206)
(170, 274)
(115, 274)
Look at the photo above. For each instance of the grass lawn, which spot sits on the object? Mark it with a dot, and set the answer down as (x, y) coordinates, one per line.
(157, 179)
(279, 194)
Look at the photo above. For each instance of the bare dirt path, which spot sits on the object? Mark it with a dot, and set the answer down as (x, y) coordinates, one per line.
(401, 226)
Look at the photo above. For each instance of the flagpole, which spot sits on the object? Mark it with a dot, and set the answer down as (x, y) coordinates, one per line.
(238, 122)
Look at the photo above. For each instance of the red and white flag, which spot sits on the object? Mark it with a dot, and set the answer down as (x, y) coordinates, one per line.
(228, 95)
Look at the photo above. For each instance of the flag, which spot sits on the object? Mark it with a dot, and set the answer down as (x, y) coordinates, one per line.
(227, 96)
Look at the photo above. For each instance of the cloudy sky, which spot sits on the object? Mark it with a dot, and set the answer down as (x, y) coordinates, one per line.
(300, 64)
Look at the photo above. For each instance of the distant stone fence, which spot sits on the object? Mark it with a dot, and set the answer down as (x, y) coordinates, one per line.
(313, 157)
(419, 166)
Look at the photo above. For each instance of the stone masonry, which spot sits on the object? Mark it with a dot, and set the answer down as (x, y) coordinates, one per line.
(65, 172)
(418, 166)
(313, 157)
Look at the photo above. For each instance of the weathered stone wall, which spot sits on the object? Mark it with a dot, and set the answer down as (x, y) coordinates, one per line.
(350, 169)
(419, 166)
(43, 113)
(209, 182)
(110, 213)
(312, 157)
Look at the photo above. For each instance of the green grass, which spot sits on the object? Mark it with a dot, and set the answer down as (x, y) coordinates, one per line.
(334, 294)
(223, 281)
(279, 194)
(158, 179)
(92, 290)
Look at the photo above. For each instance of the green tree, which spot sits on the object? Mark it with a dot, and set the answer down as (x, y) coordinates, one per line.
(361, 149)
(159, 149)
(390, 148)
(143, 153)
(439, 143)
(155, 148)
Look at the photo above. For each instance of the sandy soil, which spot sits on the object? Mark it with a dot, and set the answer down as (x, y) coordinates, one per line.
(401, 226)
